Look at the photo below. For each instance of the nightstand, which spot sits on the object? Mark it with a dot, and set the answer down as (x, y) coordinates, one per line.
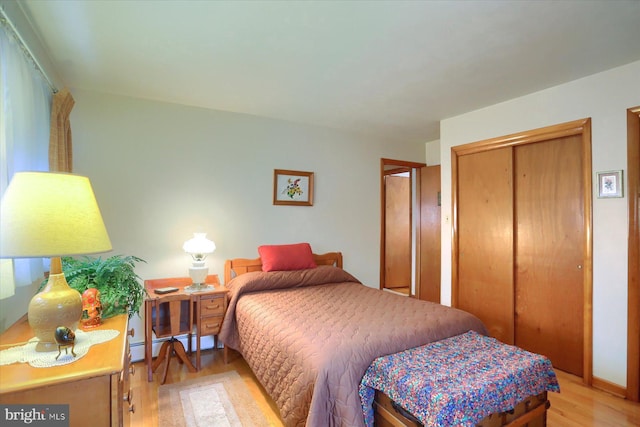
(210, 309)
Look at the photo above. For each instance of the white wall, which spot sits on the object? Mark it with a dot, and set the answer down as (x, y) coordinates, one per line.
(605, 98)
(432, 149)
(162, 171)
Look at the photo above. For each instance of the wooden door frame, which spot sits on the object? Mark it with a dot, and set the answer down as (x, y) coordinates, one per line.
(398, 164)
(578, 127)
(633, 278)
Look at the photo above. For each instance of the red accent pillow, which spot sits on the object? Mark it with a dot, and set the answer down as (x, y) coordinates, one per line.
(297, 256)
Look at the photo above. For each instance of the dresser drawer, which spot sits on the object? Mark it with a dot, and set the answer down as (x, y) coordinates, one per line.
(211, 325)
(212, 306)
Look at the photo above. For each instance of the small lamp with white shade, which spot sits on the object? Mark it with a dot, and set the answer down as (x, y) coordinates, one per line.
(198, 247)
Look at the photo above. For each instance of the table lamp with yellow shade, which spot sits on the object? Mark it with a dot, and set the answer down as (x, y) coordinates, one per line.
(45, 214)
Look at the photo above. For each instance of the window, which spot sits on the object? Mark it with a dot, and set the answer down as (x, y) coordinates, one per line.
(25, 114)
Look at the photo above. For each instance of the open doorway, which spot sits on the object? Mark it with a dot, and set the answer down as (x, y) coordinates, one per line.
(398, 242)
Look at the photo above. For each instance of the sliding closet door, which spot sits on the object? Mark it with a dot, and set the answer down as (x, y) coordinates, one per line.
(549, 251)
(521, 258)
(485, 239)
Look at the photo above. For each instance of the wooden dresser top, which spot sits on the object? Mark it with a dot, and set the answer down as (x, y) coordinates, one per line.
(102, 359)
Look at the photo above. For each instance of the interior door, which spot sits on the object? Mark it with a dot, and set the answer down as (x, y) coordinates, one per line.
(428, 288)
(398, 231)
(400, 253)
(549, 251)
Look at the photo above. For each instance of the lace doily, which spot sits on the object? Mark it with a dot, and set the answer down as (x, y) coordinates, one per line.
(27, 353)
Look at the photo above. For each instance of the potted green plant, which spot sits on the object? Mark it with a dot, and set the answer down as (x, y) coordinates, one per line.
(121, 290)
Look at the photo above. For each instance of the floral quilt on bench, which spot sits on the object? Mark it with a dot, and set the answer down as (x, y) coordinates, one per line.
(457, 381)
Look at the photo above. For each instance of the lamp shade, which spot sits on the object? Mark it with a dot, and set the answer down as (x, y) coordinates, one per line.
(199, 245)
(47, 214)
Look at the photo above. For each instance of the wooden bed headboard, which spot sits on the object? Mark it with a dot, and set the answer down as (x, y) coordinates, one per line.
(237, 266)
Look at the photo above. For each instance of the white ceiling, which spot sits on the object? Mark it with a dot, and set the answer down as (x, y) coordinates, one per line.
(389, 68)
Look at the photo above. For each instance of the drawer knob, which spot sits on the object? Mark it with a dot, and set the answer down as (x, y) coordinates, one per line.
(131, 332)
(132, 409)
(212, 307)
(128, 397)
(215, 325)
(132, 369)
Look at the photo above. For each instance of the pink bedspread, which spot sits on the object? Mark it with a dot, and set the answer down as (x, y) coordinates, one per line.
(309, 336)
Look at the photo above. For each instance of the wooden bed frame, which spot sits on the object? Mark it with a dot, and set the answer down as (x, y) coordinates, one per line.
(531, 413)
(237, 266)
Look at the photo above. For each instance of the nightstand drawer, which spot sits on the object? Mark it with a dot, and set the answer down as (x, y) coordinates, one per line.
(212, 306)
(211, 325)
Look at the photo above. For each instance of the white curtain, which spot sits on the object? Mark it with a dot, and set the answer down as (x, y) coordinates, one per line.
(25, 114)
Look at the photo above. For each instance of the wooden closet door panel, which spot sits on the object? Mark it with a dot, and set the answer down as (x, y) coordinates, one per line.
(430, 238)
(549, 251)
(397, 232)
(485, 239)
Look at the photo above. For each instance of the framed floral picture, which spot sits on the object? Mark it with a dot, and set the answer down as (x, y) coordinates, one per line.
(292, 187)
(610, 184)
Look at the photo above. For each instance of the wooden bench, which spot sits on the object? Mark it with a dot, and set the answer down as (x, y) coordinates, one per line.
(469, 380)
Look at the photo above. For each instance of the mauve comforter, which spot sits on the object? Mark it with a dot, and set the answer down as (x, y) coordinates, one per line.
(309, 336)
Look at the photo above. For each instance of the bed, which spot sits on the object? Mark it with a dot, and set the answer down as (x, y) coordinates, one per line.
(310, 334)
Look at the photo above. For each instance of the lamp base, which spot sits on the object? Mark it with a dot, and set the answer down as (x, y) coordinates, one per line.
(198, 272)
(57, 305)
(198, 287)
(43, 347)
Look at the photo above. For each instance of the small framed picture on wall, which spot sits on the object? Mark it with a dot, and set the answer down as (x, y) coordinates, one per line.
(610, 184)
(292, 188)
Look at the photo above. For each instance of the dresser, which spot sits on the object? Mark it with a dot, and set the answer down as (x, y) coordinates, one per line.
(96, 387)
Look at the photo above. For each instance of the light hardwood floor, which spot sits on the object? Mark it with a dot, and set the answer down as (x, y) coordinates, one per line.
(575, 406)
